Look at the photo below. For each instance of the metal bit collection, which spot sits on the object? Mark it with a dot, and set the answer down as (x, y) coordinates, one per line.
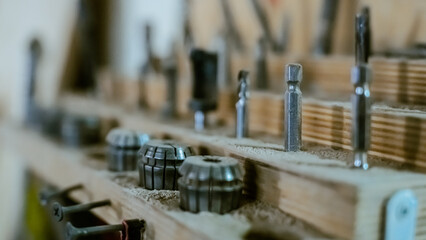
(361, 98)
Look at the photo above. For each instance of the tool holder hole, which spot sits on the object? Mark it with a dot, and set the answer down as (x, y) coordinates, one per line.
(212, 160)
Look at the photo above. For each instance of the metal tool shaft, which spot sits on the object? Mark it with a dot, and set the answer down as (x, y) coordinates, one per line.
(293, 108)
(361, 99)
(241, 130)
(261, 64)
(74, 233)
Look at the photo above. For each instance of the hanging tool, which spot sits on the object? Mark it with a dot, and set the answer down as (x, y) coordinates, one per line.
(361, 99)
(210, 183)
(324, 35)
(241, 128)
(129, 229)
(231, 31)
(33, 113)
(204, 87)
(277, 46)
(293, 108)
(262, 76)
(59, 211)
(170, 70)
(159, 162)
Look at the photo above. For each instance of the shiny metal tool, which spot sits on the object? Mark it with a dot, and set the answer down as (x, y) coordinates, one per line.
(361, 99)
(159, 162)
(49, 193)
(241, 127)
(262, 77)
(129, 229)
(204, 87)
(293, 108)
(59, 211)
(123, 147)
(324, 35)
(210, 183)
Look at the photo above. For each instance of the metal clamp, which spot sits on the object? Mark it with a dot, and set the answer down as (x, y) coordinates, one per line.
(401, 216)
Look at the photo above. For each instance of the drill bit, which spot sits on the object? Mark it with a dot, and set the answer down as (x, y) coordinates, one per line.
(261, 65)
(293, 108)
(241, 130)
(361, 99)
(323, 38)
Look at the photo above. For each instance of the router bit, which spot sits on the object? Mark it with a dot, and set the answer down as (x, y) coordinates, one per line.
(210, 183)
(129, 229)
(361, 99)
(293, 108)
(204, 87)
(324, 35)
(261, 64)
(123, 148)
(59, 211)
(158, 164)
(241, 105)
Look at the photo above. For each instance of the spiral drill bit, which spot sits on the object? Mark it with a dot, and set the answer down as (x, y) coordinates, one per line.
(361, 99)
(293, 108)
(241, 106)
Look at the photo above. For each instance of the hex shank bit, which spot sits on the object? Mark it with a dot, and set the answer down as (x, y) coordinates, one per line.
(241, 129)
(361, 99)
(293, 108)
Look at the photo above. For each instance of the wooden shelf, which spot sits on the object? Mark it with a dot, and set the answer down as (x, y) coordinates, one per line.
(325, 192)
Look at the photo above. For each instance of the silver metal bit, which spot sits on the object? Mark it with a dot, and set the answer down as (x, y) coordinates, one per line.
(241, 130)
(261, 64)
(361, 99)
(293, 108)
(224, 71)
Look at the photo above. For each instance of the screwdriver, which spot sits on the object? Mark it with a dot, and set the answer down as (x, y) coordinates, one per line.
(204, 87)
(361, 99)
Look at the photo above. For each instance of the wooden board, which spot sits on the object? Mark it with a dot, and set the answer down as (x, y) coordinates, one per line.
(327, 193)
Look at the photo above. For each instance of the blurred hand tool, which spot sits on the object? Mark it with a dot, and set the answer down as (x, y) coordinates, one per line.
(361, 99)
(262, 76)
(152, 63)
(59, 211)
(231, 30)
(293, 108)
(130, 230)
(324, 35)
(277, 46)
(47, 194)
(159, 162)
(123, 147)
(210, 183)
(204, 87)
(241, 128)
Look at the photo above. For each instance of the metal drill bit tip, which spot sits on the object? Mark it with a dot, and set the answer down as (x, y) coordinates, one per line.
(293, 72)
(362, 36)
(243, 83)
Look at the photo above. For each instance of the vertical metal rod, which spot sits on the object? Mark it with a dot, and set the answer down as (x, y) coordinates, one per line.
(261, 64)
(293, 108)
(361, 99)
(241, 129)
(323, 39)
